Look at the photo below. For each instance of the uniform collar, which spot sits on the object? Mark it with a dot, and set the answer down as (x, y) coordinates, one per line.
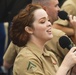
(36, 50)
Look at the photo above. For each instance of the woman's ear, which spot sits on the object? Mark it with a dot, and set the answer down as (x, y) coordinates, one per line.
(29, 30)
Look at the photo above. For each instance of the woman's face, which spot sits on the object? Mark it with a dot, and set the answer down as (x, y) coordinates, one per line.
(41, 25)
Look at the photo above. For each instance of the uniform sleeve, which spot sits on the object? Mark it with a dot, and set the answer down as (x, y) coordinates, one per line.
(10, 54)
(27, 65)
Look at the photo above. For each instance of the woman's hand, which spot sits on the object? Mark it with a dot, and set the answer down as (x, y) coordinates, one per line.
(68, 62)
(72, 21)
(70, 59)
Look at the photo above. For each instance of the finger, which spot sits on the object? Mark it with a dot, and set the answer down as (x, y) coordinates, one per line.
(74, 18)
(70, 17)
(73, 49)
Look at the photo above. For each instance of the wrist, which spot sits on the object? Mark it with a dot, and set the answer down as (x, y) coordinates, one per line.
(64, 68)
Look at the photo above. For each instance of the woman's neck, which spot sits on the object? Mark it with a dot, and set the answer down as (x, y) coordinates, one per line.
(38, 42)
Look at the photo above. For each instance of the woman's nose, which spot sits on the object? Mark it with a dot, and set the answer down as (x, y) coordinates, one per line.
(49, 24)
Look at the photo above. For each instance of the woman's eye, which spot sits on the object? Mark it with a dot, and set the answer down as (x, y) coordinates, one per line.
(42, 22)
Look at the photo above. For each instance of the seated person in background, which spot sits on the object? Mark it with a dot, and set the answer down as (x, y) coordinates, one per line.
(10, 55)
(32, 28)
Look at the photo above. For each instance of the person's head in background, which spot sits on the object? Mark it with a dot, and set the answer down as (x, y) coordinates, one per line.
(31, 24)
(51, 7)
